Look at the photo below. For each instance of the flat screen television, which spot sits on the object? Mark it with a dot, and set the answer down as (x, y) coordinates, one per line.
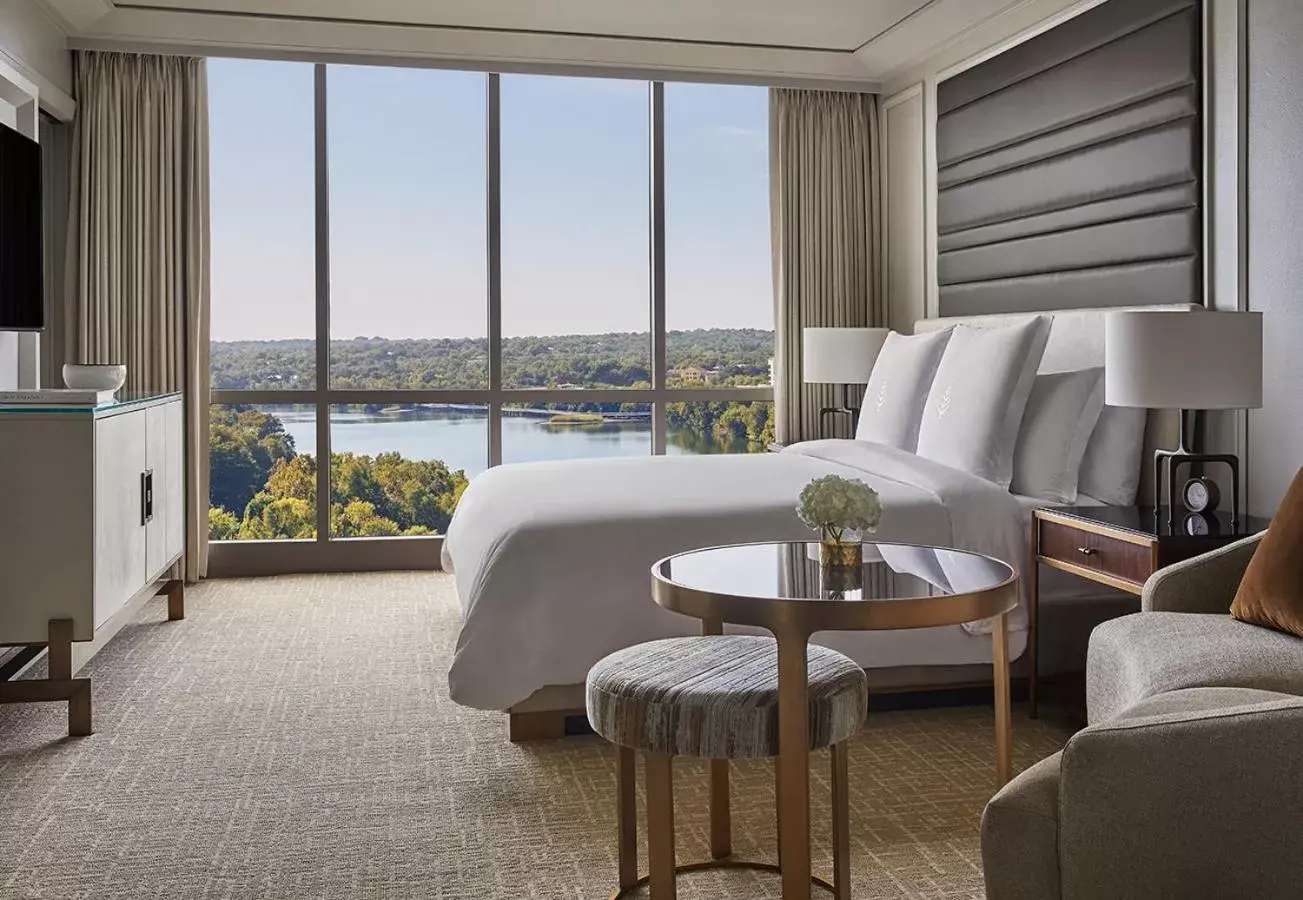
(22, 265)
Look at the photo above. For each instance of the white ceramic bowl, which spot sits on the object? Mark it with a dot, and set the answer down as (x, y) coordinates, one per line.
(94, 378)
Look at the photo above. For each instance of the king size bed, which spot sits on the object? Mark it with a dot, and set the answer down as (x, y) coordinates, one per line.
(552, 560)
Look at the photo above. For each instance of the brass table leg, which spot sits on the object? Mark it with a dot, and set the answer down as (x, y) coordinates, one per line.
(841, 822)
(1033, 619)
(626, 804)
(721, 819)
(660, 825)
(1003, 718)
(794, 764)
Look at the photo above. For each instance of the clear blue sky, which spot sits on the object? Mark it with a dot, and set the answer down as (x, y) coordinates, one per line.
(406, 150)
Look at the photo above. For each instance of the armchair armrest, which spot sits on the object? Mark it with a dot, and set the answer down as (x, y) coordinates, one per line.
(1196, 803)
(1204, 584)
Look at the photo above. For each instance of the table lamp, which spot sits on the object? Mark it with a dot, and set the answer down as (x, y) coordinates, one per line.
(842, 356)
(1186, 361)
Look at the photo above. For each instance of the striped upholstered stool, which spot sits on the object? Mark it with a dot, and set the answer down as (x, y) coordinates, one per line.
(714, 697)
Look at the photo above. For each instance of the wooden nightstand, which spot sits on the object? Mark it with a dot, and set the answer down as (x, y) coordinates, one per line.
(1120, 546)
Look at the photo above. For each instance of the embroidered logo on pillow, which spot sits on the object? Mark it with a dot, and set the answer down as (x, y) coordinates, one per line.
(882, 395)
(943, 405)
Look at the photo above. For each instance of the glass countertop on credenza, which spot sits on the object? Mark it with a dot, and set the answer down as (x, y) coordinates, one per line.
(123, 402)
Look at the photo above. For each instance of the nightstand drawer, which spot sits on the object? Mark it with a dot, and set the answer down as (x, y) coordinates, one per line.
(1108, 555)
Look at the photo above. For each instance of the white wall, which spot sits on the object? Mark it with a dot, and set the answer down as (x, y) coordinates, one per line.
(35, 67)
(1225, 228)
(904, 225)
(1275, 248)
(8, 340)
(31, 40)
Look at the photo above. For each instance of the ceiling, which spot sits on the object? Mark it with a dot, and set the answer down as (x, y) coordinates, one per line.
(851, 43)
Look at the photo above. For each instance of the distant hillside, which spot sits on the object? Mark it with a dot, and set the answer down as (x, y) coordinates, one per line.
(735, 356)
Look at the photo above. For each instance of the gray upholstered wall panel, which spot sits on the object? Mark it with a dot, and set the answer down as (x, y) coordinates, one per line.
(1153, 60)
(1069, 167)
(1166, 199)
(1099, 26)
(1181, 103)
(1163, 236)
(1139, 162)
(1146, 284)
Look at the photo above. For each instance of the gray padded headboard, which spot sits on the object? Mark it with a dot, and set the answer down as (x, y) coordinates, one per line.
(1068, 167)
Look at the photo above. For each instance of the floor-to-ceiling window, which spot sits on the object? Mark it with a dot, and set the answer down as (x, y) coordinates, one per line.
(419, 274)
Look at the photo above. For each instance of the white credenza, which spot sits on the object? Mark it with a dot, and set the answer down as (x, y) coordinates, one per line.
(93, 519)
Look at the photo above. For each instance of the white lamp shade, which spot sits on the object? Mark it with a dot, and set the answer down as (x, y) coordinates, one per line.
(1183, 360)
(841, 355)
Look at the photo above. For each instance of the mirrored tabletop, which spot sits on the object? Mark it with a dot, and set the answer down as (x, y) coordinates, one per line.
(792, 571)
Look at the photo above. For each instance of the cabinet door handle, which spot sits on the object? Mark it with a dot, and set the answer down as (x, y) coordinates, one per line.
(1087, 551)
(146, 496)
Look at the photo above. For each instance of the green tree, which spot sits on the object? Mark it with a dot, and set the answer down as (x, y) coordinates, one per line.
(357, 518)
(269, 518)
(244, 444)
(222, 524)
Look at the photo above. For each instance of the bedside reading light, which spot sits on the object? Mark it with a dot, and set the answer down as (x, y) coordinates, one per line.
(842, 356)
(1185, 361)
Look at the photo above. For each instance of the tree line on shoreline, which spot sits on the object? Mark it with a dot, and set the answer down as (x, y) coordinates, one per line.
(262, 488)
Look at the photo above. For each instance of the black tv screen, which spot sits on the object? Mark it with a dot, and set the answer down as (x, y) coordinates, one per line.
(22, 270)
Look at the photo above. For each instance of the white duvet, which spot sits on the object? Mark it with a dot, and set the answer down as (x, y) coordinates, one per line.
(552, 560)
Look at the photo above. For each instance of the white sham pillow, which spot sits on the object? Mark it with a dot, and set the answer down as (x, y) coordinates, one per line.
(1110, 470)
(978, 396)
(898, 388)
(1062, 410)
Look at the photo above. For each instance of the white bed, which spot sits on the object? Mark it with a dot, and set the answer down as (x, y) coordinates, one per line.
(552, 559)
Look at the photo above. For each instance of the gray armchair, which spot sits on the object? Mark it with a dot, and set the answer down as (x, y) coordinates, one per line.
(1184, 638)
(1188, 782)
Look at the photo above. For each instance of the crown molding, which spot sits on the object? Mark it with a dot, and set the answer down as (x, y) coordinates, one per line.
(52, 99)
(169, 31)
(75, 16)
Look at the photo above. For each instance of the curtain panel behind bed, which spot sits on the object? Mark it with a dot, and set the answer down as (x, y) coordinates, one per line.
(824, 162)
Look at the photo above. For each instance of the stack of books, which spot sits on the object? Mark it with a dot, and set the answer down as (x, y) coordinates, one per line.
(57, 397)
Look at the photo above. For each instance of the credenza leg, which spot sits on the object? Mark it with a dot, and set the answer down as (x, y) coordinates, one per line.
(59, 663)
(175, 590)
(79, 708)
(59, 659)
(60, 686)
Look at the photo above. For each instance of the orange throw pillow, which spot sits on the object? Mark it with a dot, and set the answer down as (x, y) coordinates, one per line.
(1271, 592)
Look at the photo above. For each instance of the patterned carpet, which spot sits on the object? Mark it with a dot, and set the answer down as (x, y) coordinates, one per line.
(293, 738)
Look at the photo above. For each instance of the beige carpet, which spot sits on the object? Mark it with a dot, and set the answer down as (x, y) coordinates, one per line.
(293, 738)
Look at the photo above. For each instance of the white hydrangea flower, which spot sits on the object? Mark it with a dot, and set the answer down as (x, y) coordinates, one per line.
(833, 505)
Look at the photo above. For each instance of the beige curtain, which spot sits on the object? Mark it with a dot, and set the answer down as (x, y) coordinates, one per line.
(139, 247)
(826, 238)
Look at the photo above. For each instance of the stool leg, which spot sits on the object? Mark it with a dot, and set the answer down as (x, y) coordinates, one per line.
(721, 819)
(626, 804)
(841, 823)
(660, 826)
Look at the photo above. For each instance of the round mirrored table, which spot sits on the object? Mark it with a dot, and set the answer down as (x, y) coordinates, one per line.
(783, 588)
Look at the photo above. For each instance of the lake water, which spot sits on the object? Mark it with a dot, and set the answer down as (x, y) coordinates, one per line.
(461, 439)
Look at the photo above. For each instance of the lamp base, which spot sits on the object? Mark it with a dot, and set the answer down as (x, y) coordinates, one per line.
(1182, 456)
(838, 411)
(844, 410)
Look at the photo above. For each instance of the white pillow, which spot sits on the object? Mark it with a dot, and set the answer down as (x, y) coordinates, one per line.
(1061, 413)
(1110, 470)
(898, 387)
(978, 396)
